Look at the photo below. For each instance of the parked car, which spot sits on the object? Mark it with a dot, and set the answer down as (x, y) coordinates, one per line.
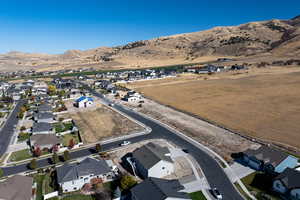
(124, 143)
(216, 194)
(111, 104)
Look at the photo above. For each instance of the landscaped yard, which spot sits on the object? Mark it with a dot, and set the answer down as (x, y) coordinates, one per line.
(78, 197)
(23, 136)
(61, 127)
(67, 137)
(44, 185)
(20, 155)
(197, 196)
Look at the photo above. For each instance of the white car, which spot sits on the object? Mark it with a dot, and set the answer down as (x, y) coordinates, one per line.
(217, 194)
(124, 143)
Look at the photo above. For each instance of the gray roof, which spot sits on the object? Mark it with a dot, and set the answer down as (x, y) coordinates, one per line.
(16, 188)
(42, 139)
(41, 127)
(150, 154)
(290, 178)
(158, 189)
(69, 172)
(45, 107)
(268, 155)
(44, 115)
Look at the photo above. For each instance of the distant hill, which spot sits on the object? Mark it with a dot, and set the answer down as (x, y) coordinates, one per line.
(266, 40)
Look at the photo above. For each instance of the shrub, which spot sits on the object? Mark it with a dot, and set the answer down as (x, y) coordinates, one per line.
(127, 182)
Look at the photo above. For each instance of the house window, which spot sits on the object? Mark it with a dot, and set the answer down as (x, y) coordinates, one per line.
(66, 190)
(163, 168)
(81, 177)
(91, 175)
(75, 188)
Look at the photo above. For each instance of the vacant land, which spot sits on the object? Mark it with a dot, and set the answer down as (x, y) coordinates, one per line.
(101, 122)
(262, 106)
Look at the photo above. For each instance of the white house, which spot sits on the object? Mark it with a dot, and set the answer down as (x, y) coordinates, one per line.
(72, 177)
(288, 184)
(83, 102)
(152, 160)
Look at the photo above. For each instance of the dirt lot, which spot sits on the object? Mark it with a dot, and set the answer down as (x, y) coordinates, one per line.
(99, 122)
(262, 103)
(263, 106)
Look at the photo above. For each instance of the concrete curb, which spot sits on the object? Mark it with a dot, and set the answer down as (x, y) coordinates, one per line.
(208, 150)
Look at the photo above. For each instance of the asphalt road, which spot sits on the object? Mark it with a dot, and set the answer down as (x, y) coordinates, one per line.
(212, 170)
(7, 130)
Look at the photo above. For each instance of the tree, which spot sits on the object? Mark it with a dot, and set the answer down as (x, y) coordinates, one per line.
(1, 172)
(55, 148)
(127, 182)
(51, 90)
(33, 164)
(20, 115)
(23, 109)
(66, 155)
(55, 158)
(37, 151)
(71, 143)
(23, 128)
(98, 147)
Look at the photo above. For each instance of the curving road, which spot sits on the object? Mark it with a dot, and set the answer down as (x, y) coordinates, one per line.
(213, 171)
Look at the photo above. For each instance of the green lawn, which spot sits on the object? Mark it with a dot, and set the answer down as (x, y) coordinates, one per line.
(68, 137)
(20, 155)
(259, 184)
(44, 185)
(23, 136)
(61, 127)
(197, 196)
(39, 190)
(77, 197)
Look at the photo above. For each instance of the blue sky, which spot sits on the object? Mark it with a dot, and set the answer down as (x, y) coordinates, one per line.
(53, 26)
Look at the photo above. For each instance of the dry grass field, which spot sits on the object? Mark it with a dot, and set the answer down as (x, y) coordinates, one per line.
(100, 122)
(263, 106)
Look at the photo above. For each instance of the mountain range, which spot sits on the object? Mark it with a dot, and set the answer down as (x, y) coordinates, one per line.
(252, 42)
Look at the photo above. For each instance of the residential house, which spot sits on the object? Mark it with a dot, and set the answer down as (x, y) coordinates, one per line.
(16, 188)
(84, 102)
(43, 141)
(39, 87)
(42, 128)
(288, 184)
(46, 117)
(158, 189)
(132, 97)
(72, 177)
(152, 160)
(267, 159)
(44, 107)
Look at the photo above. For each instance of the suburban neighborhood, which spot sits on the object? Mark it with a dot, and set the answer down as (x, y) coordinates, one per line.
(145, 100)
(145, 169)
